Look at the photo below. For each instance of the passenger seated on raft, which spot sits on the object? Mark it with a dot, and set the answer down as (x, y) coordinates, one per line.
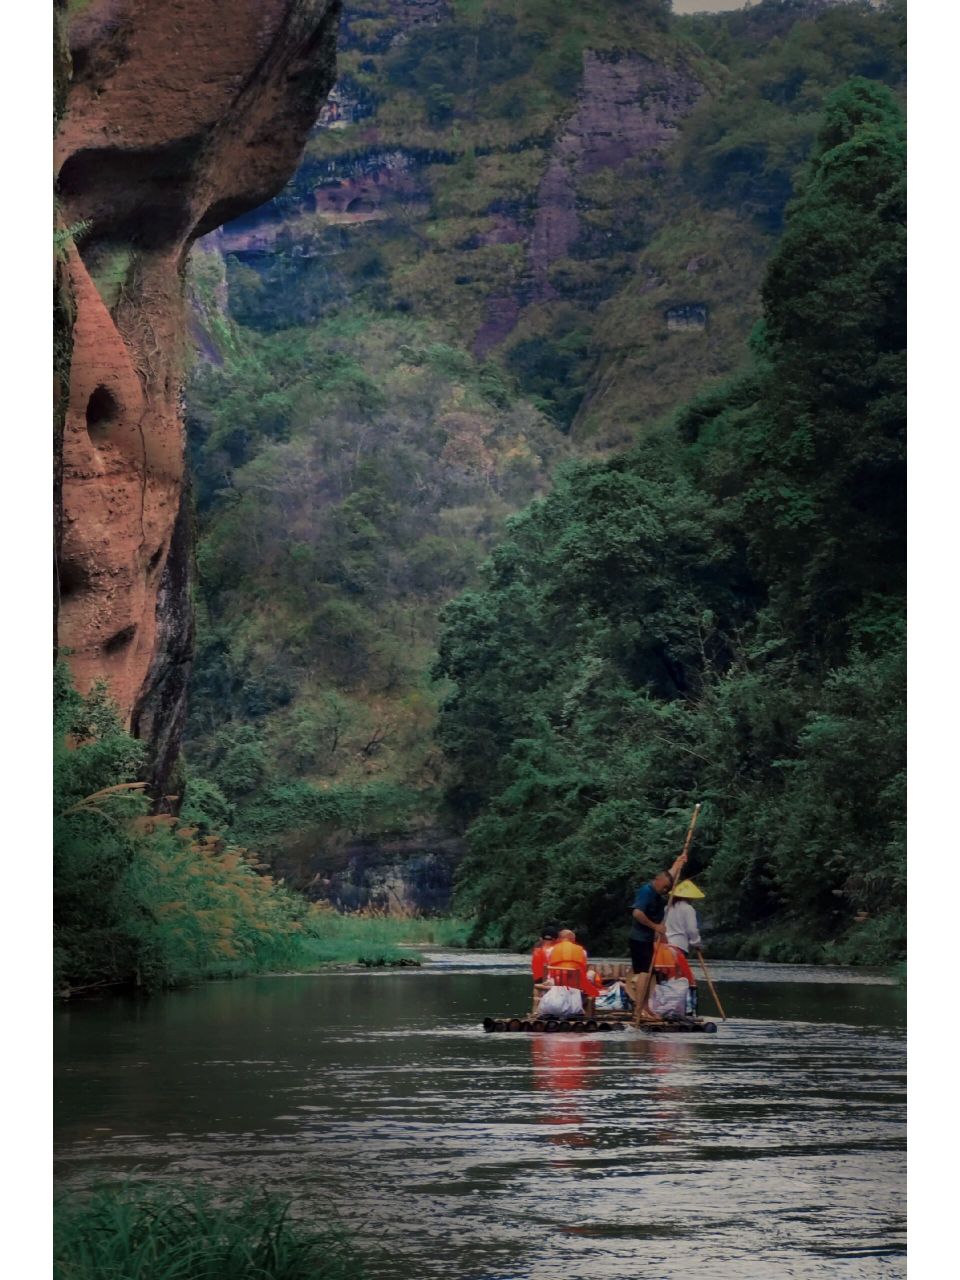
(669, 995)
(538, 961)
(567, 965)
(541, 952)
(614, 995)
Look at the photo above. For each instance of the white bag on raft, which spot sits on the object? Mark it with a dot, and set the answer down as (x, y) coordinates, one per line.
(669, 999)
(560, 1002)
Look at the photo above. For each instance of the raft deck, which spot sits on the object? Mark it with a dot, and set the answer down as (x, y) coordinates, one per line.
(596, 1020)
(607, 1022)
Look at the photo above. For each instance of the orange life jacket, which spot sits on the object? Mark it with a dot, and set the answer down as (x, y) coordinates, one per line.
(568, 967)
(668, 960)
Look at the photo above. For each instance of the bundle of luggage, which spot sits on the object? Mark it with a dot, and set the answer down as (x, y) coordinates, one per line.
(614, 997)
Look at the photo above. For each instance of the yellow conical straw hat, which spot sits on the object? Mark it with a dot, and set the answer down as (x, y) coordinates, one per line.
(687, 889)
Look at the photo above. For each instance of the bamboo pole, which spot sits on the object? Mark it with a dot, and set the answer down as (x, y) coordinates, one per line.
(713, 989)
(642, 1001)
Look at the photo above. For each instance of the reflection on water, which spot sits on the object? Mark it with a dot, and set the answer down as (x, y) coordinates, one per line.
(561, 1064)
(773, 1149)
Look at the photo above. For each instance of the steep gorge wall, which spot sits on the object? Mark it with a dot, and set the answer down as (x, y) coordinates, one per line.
(179, 115)
(517, 216)
(585, 195)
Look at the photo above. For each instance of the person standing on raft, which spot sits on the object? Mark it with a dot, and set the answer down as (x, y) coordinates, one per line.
(683, 932)
(649, 905)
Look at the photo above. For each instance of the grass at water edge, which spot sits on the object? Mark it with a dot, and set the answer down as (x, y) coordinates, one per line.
(143, 1232)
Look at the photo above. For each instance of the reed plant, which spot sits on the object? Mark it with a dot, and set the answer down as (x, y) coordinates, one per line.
(375, 938)
(149, 1233)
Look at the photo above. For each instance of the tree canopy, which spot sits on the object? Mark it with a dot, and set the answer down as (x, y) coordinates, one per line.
(718, 616)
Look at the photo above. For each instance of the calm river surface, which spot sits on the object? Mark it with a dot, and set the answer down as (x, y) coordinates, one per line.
(773, 1149)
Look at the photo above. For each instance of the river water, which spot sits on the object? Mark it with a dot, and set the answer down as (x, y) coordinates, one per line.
(774, 1149)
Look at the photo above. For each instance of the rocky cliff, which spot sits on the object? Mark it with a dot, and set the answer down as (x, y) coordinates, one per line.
(179, 115)
(400, 874)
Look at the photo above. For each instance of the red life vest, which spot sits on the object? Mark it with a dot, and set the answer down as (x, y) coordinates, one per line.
(538, 961)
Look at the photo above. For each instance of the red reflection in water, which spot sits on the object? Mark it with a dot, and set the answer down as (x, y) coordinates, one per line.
(561, 1065)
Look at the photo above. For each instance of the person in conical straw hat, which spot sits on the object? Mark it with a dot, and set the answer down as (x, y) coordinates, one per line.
(683, 931)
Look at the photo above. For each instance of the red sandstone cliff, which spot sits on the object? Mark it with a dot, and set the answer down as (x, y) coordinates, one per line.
(179, 114)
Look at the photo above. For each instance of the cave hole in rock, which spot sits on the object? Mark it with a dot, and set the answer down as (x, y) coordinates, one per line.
(102, 412)
(155, 559)
(79, 58)
(120, 640)
(72, 578)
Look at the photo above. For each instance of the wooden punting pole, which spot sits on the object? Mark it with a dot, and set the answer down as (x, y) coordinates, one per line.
(713, 989)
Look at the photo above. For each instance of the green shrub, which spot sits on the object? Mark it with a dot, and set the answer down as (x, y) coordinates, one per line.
(141, 1232)
(205, 806)
(156, 901)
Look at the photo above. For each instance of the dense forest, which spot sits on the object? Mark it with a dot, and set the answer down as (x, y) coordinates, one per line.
(350, 478)
(355, 462)
(718, 615)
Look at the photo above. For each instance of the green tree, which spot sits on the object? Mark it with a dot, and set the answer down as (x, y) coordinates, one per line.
(716, 616)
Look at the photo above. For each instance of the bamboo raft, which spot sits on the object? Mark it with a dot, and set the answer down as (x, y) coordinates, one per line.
(583, 1024)
(595, 1021)
(616, 1020)
(613, 1021)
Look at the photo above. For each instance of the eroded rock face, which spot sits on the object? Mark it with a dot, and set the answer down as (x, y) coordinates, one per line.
(180, 114)
(629, 108)
(403, 875)
(360, 189)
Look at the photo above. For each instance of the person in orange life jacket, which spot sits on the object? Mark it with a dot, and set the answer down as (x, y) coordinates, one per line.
(669, 995)
(541, 952)
(568, 965)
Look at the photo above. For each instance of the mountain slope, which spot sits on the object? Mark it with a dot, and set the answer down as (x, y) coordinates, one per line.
(519, 232)
(585, 192)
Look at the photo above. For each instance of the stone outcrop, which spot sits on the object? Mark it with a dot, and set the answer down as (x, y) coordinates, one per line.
(402, 875)
(629, 108)
(341, 192)
(180, 114)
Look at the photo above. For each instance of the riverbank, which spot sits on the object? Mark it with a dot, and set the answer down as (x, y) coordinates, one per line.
(374, 941)
(879, 941)
(326, 940)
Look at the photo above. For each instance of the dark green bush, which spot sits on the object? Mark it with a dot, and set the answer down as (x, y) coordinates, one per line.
(155, 1233)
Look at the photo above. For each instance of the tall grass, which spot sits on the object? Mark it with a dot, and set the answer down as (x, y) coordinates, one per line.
(149, 1233)
(372, 938)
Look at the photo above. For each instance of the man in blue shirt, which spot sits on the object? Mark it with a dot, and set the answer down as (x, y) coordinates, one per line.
(649, 905)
